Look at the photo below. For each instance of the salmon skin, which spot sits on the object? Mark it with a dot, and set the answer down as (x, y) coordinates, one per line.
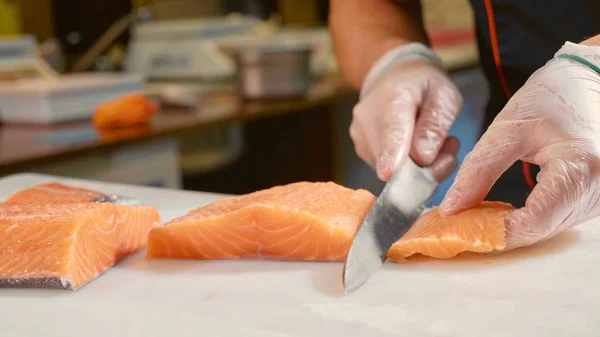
(52, 236)
(300, 221)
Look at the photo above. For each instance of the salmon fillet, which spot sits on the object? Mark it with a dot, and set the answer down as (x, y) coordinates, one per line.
(299, 221)
(316, 222)
(68, 245)
(52, 236)
(53, 192)
(480, 229)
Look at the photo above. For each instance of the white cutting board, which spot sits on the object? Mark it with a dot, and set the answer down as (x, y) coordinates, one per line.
(550, 290)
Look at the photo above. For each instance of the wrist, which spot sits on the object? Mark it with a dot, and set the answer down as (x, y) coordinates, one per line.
(588, 55)
(405, 52)
(594, 41)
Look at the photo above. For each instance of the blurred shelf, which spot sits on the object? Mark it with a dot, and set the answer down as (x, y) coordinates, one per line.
(456, 47)
(22, 146)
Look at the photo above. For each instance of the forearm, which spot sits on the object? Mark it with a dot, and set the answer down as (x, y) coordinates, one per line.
(593, 41)
(363, 30)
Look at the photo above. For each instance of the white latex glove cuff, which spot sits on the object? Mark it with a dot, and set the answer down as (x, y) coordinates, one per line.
(403, 52)
(590, 54)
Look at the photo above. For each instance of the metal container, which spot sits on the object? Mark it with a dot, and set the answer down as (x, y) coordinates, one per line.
(272, 72)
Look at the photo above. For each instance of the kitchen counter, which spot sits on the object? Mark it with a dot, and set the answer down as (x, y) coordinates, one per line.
(547, 290)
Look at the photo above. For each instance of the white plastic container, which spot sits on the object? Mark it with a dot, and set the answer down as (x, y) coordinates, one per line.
(66, 98)
(185, 49)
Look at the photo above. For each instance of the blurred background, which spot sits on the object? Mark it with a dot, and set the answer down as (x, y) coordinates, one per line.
(248, 92)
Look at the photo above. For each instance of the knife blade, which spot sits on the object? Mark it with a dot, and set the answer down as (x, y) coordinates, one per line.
(402, 200)
(118, 199)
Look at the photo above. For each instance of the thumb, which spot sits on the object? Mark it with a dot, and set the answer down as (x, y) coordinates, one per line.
(496, 151)
(555, 204)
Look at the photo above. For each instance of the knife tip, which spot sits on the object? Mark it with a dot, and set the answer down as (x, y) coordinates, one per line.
(352, 280)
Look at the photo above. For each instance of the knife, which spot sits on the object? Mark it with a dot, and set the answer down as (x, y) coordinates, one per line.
(118, 199)
(402, 200)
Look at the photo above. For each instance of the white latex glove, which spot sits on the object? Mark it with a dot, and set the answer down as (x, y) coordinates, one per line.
(407, 106)
(552, 121)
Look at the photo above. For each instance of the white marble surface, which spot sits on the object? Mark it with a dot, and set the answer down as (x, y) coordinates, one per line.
(550, 290)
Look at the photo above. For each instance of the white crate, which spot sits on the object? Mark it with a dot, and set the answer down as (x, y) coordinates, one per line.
(65, 98)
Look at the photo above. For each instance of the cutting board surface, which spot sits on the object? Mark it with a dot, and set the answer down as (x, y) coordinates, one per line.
(552, 289)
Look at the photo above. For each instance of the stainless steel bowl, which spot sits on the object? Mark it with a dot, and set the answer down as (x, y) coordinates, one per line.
(272, 72)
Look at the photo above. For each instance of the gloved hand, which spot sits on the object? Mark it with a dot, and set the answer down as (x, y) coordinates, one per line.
(407, 106)
(552, 121)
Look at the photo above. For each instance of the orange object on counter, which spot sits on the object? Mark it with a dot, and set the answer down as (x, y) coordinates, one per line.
(126, 111)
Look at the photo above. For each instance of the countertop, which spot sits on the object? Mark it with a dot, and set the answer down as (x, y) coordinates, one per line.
(548, 290)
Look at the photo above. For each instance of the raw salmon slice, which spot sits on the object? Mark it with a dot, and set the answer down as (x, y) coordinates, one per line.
(68, 245)
(480, 229)
(299, 221)
(53, 192)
